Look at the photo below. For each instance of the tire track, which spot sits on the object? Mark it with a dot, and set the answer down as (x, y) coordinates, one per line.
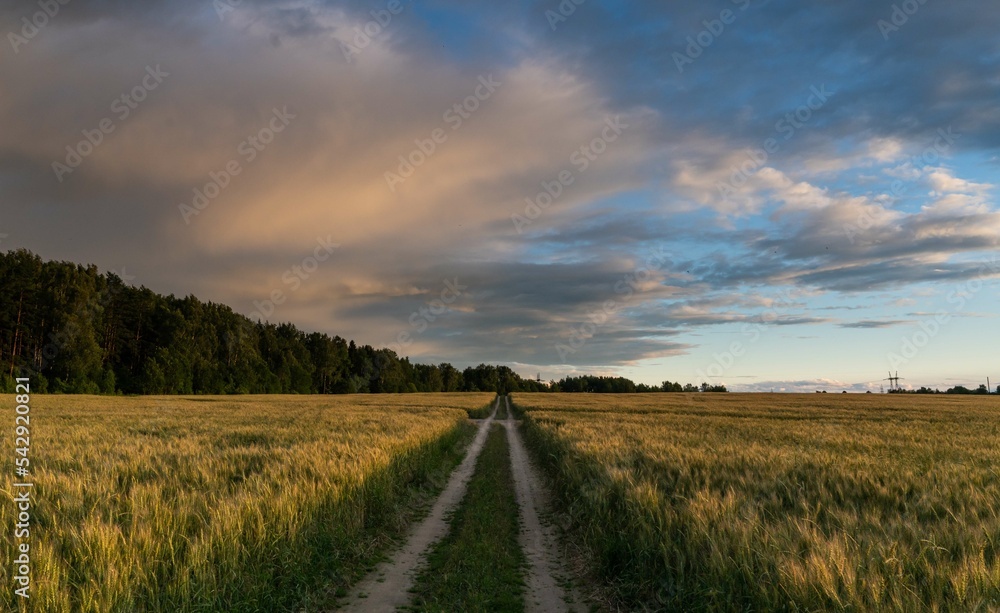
(387, 587)
(544, 593)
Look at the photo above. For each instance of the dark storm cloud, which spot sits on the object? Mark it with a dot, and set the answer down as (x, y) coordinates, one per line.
(516, 312)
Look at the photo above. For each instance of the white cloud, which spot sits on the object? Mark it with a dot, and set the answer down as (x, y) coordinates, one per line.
(943, 181)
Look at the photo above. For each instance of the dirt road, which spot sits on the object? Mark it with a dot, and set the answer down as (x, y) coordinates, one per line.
(544, 593)
(387, 587)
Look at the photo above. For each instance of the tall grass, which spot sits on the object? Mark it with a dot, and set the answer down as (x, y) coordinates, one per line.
(780, 502)
(168, 504)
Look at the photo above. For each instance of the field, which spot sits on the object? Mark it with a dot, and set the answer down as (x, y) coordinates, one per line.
(739, 502)
(711, 502)
(250, 503)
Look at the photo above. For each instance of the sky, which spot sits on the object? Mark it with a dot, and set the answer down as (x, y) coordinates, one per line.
(761, 194)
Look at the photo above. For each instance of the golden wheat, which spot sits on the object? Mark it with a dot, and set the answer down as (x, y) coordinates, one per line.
(780, 502)
(216, 503)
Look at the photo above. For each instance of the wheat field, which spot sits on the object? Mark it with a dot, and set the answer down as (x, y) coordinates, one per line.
(246, 503)
(739, 502)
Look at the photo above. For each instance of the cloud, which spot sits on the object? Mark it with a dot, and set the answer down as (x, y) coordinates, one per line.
(869, 324)
(837, 241)
(878, 188)
(942, 181)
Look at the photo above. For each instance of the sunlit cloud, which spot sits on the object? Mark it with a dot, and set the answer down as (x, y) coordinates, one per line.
(801, 164)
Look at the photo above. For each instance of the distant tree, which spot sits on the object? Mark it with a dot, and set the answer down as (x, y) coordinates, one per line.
(705, 387)
(597, 385)
(667, 386)
(451, 378)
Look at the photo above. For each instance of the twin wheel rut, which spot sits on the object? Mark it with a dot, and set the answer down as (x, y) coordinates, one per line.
(387, 587)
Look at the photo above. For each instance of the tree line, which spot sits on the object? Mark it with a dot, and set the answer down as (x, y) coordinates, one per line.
(73, 329)
(621, 385)
(958, 389)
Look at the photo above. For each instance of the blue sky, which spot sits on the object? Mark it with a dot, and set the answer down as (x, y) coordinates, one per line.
(762, 194)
